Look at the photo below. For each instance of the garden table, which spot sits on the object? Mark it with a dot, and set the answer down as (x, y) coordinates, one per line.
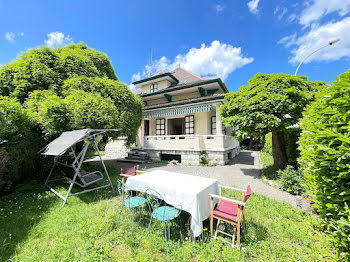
(191, 193)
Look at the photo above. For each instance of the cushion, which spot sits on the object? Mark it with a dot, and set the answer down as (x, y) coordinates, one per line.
(129, 171)
(165, 213)
(227, 210)
(133, 202)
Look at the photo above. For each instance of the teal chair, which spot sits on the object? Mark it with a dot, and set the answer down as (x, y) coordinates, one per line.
(128, 200)
(162, 213)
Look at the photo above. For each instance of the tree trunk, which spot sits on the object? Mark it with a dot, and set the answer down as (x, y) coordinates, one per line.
(251, 143)
(279, 150)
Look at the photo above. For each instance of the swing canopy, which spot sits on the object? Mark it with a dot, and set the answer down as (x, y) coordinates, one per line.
(63, 147)
(68, 139)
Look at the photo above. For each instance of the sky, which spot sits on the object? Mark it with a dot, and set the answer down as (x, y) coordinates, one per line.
(232, 39)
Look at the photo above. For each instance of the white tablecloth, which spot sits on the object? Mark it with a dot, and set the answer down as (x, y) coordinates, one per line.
(189, 192)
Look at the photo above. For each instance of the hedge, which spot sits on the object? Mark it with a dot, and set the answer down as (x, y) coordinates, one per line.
(325, 158)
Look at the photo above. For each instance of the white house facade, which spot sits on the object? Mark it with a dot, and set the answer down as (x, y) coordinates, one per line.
(181, 119)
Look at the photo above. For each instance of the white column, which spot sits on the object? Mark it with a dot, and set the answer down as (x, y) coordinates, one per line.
(140, 135)
(218, 121)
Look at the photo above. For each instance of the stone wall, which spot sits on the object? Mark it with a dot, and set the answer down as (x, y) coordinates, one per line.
(116, 148)
(193, 157)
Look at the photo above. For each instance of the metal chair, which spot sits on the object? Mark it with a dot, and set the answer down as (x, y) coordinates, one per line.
(163, 213)
(230, 211)
(129, 201)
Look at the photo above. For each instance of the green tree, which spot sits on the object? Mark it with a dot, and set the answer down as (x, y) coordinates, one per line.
(325, 158)
(20, 140)
(270, 103)
(71, 88)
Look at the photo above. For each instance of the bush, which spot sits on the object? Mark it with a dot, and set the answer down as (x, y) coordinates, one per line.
(325, 158)
(20, 140)
(291, 180)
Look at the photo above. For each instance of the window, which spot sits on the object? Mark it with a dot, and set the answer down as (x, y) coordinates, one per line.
(160, 127)
(189, 125)
(146, 126)
(213, 126)
(154, 88)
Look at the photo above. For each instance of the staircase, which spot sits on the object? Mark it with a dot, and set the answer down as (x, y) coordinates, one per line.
(136, 156)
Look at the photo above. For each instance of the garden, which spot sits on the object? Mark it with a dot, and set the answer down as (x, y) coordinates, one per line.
(304, 126)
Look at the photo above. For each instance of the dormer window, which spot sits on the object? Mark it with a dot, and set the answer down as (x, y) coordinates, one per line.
(154, 88)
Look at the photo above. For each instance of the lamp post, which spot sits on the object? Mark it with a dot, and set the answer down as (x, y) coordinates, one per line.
(329, 43)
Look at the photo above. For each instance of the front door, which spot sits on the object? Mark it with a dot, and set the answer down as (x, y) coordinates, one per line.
(176, 126)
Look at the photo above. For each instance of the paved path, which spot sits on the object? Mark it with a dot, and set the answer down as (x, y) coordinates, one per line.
(245, 169)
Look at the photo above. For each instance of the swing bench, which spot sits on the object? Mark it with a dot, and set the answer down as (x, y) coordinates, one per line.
(62, 147)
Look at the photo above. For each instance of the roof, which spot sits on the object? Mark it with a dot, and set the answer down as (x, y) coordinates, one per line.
(188, 85)
(183, 77)
(186, 101)
(156, 76)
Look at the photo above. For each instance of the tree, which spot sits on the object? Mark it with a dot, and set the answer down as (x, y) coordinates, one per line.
(270, 103)
(325, 158)
(71, 88)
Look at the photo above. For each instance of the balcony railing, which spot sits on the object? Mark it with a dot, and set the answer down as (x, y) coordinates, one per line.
(190, 142)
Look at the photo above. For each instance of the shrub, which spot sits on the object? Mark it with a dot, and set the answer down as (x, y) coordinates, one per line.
(292, 136)
(20, 140)
(203, 158)
(291, 180)
(325, 158)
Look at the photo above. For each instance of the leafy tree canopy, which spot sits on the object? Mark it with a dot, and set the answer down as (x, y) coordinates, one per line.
(270, 103)
(71, 88)
(44, 68)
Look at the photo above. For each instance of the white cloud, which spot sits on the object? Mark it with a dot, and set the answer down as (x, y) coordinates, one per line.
(253, 6)
(318, 36)
(134, 77)
(55, 39)
(10, 36)
(217, 59)
(316, 9)
(220, 8)
(280, 12)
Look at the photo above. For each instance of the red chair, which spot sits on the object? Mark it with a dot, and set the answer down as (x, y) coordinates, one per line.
(230, 211)
(125, 173)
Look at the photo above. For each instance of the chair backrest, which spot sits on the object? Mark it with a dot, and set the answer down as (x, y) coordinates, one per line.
(129, 171)
(247, 194)
(153, 199)
(120, 186)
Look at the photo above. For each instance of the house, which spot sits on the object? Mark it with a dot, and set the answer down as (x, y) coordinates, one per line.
(181, 118)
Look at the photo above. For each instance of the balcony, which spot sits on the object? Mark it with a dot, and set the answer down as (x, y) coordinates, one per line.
(190, 142)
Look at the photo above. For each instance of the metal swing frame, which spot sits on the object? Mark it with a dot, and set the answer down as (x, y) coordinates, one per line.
(86, 179)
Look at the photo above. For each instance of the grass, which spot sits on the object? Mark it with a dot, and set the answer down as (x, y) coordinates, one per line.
(34, 227)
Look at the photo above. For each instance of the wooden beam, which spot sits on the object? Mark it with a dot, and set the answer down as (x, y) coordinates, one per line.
(212, 91)
(168, 97)
(201, 90)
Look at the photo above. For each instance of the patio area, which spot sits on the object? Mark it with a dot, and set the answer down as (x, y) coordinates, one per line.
(245, 169)
(90, 228)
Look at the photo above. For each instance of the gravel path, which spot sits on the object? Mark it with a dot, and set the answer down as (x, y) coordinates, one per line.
(245, 169)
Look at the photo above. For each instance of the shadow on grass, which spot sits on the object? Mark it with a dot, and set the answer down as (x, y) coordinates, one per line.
(19, 213)
(28, 204)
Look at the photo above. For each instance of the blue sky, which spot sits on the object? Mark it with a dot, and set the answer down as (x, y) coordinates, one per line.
(231, 39)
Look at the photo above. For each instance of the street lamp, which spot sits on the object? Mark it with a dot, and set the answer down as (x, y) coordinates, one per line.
(329, 43)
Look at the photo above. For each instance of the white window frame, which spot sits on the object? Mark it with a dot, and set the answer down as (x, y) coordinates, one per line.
(189, 125)
(160, 127)
(153, 87)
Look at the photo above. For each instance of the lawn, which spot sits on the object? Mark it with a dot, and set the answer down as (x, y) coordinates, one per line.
(34, 227)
